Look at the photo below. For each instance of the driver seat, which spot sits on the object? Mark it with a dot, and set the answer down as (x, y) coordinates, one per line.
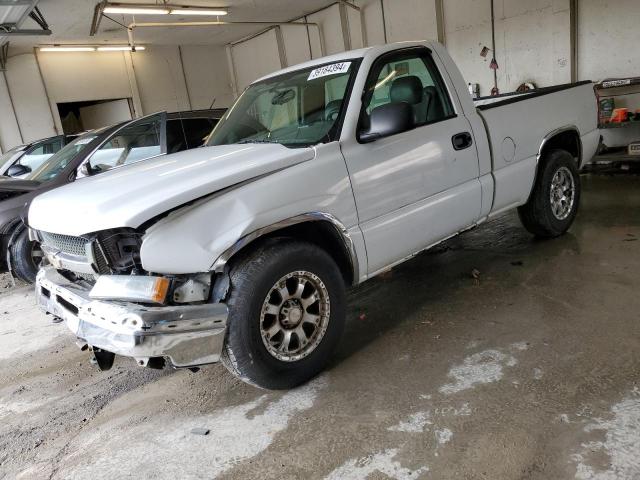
(409, 90)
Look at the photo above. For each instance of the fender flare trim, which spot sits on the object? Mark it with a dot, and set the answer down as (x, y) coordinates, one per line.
(223, 259)
(557, 131)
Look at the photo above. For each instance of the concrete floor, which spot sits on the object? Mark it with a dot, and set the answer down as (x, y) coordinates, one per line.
(530, 371)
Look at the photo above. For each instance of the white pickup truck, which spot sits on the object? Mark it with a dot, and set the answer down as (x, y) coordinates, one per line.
(321, 176)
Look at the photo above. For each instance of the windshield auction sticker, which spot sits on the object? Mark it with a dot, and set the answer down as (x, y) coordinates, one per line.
(332, 69)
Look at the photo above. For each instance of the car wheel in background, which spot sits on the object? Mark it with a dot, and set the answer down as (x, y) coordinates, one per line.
(25, 256)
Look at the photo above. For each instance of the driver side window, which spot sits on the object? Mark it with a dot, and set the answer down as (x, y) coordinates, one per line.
(136, 142)
(413, 80)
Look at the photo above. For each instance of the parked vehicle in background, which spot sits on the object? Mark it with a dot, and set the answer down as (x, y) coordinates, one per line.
(321, 176)
(89, 154)
(32, 155)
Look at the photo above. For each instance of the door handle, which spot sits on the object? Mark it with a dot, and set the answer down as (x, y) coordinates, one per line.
(462, 140)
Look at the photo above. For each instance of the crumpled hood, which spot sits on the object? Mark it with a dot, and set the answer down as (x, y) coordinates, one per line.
(129, 196)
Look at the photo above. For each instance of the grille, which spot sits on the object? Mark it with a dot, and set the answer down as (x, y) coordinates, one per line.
(65, 243)
(100, 261)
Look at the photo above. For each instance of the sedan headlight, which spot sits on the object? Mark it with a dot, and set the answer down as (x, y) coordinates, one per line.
(131, 288)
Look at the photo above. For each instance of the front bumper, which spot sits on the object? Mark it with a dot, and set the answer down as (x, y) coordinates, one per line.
(188, 336)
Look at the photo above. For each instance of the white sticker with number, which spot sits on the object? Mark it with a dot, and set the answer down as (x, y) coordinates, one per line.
(332, 69)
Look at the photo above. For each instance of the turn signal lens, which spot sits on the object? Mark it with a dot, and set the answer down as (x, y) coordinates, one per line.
(131, 288)
(160, 289)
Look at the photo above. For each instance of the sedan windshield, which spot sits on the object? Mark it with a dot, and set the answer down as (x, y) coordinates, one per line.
(58, 162)
(10, 153)
(295, 109)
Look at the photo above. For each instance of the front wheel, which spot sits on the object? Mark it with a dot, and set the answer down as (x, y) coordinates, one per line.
(286, 314)
(553, 204)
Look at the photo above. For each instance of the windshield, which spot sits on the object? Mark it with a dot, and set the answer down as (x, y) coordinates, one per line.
(10, 153)
(56, 163)
(295, 109)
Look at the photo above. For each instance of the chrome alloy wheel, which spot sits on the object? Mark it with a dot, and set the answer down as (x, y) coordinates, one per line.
(563, 193)
(294, 316)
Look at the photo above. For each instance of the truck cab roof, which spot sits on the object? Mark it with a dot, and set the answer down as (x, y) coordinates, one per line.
(373, 51)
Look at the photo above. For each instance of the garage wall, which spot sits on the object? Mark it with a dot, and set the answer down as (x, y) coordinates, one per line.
(291, 44)
(161, 80)
(9, 130)
(248, 64)
(105, 113)
(27, 90)
(299, 43)
(207, 74)
(532, 36)
(532, 42)
(71, 77)
(608, 39)
(155, 79)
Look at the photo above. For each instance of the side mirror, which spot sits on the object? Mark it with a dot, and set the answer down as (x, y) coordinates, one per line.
(84, 170)
(388, 120)
(18, 170)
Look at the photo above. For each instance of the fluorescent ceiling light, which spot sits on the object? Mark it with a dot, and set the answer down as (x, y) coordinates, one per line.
(106, 48)
(135, 10)
(142, 9)
(67, 49)
(120, 49)
(198, 11)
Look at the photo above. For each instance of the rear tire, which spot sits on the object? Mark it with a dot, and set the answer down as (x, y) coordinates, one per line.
(285, 292)
(25, 256)
(553, 204)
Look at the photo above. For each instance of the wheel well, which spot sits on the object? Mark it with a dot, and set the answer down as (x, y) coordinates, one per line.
(320, 233)
(568, 140)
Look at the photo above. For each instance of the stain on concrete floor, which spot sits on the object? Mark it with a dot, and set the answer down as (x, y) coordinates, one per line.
(526, 369)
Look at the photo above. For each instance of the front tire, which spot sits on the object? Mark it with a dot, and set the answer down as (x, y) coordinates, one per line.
(25, 256)
(553, 204)
(286, 314)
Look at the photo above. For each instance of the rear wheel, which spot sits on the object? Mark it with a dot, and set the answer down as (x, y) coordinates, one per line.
(25, 256)
(286, 314)
(553, 204)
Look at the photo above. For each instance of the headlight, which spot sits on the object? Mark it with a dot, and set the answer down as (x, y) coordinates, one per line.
(131, 288)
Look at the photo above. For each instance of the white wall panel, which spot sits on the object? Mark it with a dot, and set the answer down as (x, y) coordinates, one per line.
(535, 45)
(207, 74)
(410, 20)
(608, 39)
(532, 41)
(105, 113)
(255, 57)
(84, 76)
(296, 43)
(372, 13)
(355, 28)
(160, 80)
(9, 130)
(467, 26)
(331, 26)
(29, 98)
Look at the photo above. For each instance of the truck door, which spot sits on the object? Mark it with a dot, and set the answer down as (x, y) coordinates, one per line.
(419, 185)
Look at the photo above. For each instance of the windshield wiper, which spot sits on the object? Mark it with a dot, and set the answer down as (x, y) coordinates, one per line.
(256, 141)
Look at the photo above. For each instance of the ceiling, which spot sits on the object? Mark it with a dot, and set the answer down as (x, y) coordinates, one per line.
(70, 21)
(14, 14)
